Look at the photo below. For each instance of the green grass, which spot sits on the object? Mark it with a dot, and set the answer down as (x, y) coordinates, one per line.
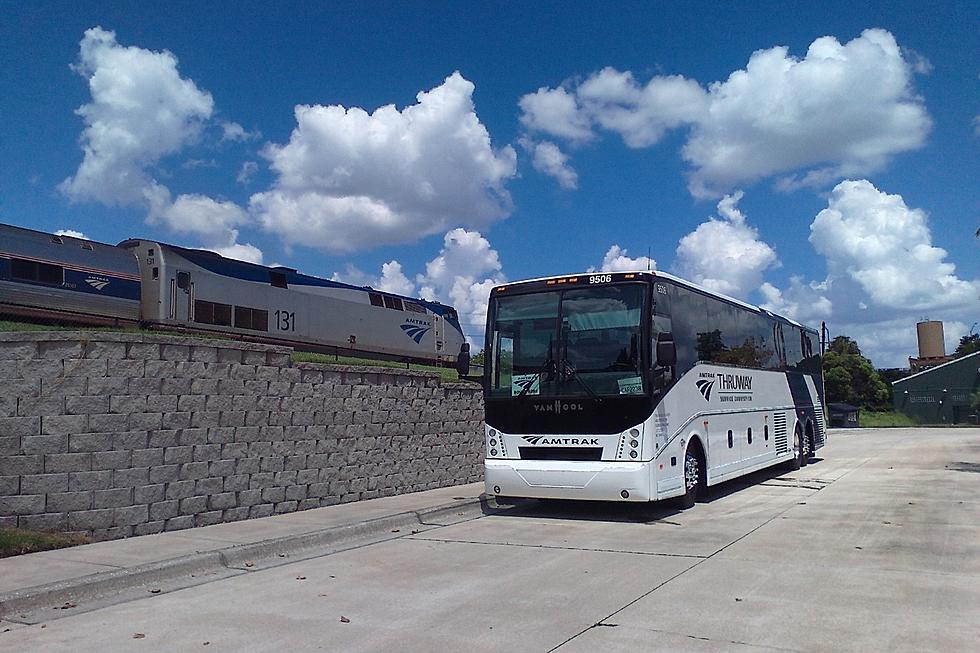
(871, 419)
(16, 541)
(445, 373)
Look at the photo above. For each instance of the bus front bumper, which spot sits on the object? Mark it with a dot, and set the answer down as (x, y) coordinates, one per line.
(552, 479)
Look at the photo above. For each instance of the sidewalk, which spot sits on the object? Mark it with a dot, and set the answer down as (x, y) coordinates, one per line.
(106, 572)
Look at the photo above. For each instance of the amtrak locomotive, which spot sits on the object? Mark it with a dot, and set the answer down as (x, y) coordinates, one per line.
(148, 283)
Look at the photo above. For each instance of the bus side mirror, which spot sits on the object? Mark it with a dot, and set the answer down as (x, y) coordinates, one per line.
(666, 352)
(463, 360)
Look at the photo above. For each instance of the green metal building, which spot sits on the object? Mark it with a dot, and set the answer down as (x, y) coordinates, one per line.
(941, 395)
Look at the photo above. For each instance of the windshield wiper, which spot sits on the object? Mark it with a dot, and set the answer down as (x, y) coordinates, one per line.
(569, 370)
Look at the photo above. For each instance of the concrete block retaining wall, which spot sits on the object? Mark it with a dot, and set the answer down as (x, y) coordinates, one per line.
(126, 434)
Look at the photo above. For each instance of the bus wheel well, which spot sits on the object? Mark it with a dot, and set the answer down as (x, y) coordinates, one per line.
(695, 443)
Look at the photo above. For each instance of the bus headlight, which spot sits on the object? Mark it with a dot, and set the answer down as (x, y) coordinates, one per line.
(633, 453)
(493, 452)
(634, 444)
(493, 443)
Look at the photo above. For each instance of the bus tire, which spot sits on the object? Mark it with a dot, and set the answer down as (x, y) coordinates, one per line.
(693, 477)
(797, 460)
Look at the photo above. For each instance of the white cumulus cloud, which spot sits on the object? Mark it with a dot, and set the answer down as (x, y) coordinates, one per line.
(726, 254)
(392, 278)
(877, 241)
(842, 110)
(547, 158)
(617, 259)
(214, 222)
(71, 233)
(349, 179)
(246, 172)
(232, 131)
(141, 111)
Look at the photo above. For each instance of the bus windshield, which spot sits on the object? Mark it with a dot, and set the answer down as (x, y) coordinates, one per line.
(581, 341)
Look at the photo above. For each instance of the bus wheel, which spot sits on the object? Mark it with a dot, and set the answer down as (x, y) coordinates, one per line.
(807, 449)
(797, 461)
(692, 478)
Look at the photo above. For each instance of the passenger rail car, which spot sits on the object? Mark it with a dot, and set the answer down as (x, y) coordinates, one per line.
(45, 276)
(201, 289)
(145, 282)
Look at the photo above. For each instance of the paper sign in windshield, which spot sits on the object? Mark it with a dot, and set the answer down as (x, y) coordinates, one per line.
(630, 386)
(521, 382)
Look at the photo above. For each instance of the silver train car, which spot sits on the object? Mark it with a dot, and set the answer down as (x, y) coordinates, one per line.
(44, 276)
(205, 291)
(153, 284)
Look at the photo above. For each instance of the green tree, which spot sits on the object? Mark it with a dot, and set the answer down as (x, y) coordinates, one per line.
(849, 377)
(968, 345)
(479, 358)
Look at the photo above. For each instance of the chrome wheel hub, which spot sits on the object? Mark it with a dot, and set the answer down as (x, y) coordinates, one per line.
(690, 472)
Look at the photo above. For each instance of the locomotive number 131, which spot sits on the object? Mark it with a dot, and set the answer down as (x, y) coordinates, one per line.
(286, 320)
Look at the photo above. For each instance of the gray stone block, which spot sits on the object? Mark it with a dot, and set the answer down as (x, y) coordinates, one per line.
(235, 482)
(60, 349)
(205, 418)
(247, 465)
(87, 405)
(43, 406)
(175, 455)
(108, 423)
(162, 404)
(64, 424)
(193, 505)
(221, 434)
(204, 354)
(204, 386)
(87, 520)
(175, 352)
(193, 470)
(112, 498)
(221, 467)
(24, 504)
(83, 367)
(180, 489)
(208, 518)
(295, 492)
(143, 351)
(126, 370)
(144, 387)
(286, 506)
(68, 501)
(235, 514)
(260, 510)
(164, 509)
(209, 486)
(146, 421)
(148, 457)
(190, 370)
(207, 452)
(89, 442)
(251, 433)
(102, 349)
(108, 460)
(177, 420)
(130, 439)
(273, 463)
(222, 501)
(150, 493)
(43, 444)
(55, 522)
(149, 528)
(44, 483)
(164, 473)
(84, 481)
(179, 523)
(191, 403)
(67, 462)
(18, 350)
(261, 480)
(159, 371)
(130, 515)
(127, 404)
(10, 446)
(131, 477)
(274, 494)
(249, 497)
(193, 436)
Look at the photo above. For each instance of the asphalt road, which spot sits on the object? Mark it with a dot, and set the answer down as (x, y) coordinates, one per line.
(874, 547)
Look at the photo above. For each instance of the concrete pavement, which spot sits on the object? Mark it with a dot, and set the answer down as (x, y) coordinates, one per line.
(876, 547)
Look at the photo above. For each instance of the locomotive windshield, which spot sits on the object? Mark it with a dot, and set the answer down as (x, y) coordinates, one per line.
(581, 341)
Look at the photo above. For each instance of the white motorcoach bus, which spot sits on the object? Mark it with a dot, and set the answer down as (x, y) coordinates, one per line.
(641, 386)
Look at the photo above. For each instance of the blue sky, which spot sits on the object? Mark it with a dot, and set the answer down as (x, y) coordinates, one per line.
(821, 161)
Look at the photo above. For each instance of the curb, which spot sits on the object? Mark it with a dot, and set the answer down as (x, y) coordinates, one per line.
(206, 566)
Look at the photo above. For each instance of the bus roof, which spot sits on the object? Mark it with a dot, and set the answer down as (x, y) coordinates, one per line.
(650, 275)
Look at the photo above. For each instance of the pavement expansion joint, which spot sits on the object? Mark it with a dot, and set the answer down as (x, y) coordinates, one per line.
(557, 547)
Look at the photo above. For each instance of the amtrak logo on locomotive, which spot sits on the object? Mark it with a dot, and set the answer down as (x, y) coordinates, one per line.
(416, 329)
